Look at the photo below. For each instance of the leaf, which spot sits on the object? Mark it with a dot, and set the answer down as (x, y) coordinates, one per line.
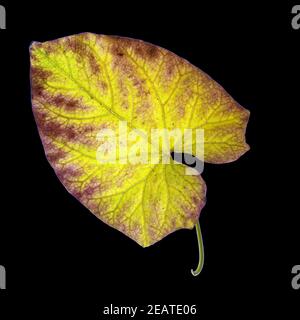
(84, 83)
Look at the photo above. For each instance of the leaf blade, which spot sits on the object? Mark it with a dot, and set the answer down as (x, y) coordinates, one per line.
(86, 82)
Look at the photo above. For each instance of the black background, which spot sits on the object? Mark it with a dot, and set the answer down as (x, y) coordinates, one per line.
(63, 261)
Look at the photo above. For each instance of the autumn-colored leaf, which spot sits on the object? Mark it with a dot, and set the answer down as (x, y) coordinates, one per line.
(87, 82)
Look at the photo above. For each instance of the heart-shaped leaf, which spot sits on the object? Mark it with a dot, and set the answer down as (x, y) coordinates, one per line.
(86, 83)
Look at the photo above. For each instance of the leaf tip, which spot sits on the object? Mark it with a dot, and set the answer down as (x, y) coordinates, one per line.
(33, 45)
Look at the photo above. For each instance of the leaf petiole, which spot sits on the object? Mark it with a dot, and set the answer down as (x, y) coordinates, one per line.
(201, 251)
